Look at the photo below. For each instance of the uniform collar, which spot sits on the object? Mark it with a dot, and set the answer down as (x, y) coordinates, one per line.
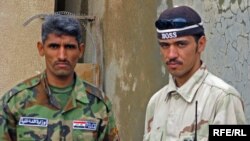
(188, 90)
(78, 93)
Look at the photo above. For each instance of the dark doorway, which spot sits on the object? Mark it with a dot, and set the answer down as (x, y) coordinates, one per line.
(76, 7)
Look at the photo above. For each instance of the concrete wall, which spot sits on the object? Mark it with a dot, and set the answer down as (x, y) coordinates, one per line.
(19, 56)
(228, 54)
(132, 62)
(126, 48)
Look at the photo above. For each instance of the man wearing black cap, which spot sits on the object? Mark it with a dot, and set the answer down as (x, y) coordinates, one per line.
(194, 97)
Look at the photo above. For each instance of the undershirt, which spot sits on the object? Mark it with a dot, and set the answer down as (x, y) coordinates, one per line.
(62, 94)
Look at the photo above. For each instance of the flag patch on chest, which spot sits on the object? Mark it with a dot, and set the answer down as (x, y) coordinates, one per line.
(33, 121)
(85, 125)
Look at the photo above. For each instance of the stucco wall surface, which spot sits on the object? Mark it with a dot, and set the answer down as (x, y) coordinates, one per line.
(132, 62)
(19, 57)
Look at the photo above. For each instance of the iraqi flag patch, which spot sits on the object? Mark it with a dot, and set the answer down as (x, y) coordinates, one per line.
(84, 125)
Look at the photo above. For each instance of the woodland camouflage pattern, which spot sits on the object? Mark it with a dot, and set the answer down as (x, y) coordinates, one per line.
(32, 101)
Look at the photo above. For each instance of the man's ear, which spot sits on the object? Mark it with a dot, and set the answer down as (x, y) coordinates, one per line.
(202, 44)
(81, 49)
(40, 48)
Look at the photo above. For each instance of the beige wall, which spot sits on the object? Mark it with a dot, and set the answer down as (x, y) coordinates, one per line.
(19, 56)
(132, 62)
(125, 46)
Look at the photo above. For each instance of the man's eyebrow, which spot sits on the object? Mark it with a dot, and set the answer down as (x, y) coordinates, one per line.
(70, 44)
(53, 44)
(163, 43)
(182, 41)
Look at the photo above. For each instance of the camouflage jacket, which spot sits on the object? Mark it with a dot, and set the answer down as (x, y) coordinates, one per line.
(173, 115)
(30, 112)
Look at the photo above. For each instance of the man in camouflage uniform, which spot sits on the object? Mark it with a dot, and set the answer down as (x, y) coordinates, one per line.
(56, 105)
(194, 97)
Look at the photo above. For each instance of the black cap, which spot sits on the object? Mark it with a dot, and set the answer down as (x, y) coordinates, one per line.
(179, 21)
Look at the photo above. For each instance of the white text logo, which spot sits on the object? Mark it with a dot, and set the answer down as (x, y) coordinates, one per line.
(169, 35)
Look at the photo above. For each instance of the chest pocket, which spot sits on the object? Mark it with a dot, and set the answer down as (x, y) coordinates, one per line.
(86, 129)
(30, 133)
(32, 128)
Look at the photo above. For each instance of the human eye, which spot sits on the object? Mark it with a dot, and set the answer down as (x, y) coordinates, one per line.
(164, 45)
(182, 44)
(53, 46)
(70, 46)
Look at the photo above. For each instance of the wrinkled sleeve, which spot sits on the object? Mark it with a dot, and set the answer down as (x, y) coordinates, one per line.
(230, 110)
(7, 122)
(149, 118)
(111, 132)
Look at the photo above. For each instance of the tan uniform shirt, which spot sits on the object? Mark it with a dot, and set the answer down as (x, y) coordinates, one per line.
(171, 112)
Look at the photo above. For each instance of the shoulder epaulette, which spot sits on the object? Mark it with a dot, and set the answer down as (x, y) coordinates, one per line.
(96, 92)
(91, 89)
(31, 82)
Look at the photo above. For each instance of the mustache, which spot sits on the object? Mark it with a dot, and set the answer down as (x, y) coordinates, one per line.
(173, 61)
(62, 62)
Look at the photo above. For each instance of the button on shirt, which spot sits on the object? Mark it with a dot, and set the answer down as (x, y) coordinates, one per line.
(171, 112)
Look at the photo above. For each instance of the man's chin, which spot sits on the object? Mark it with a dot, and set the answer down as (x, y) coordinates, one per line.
(63, 73)
(175, 73)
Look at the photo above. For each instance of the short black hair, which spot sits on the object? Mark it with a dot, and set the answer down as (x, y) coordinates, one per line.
(198, 36)
(61, 25)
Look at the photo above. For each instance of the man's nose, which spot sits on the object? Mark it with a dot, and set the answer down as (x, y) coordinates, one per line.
(62, 53)
(173, 52)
